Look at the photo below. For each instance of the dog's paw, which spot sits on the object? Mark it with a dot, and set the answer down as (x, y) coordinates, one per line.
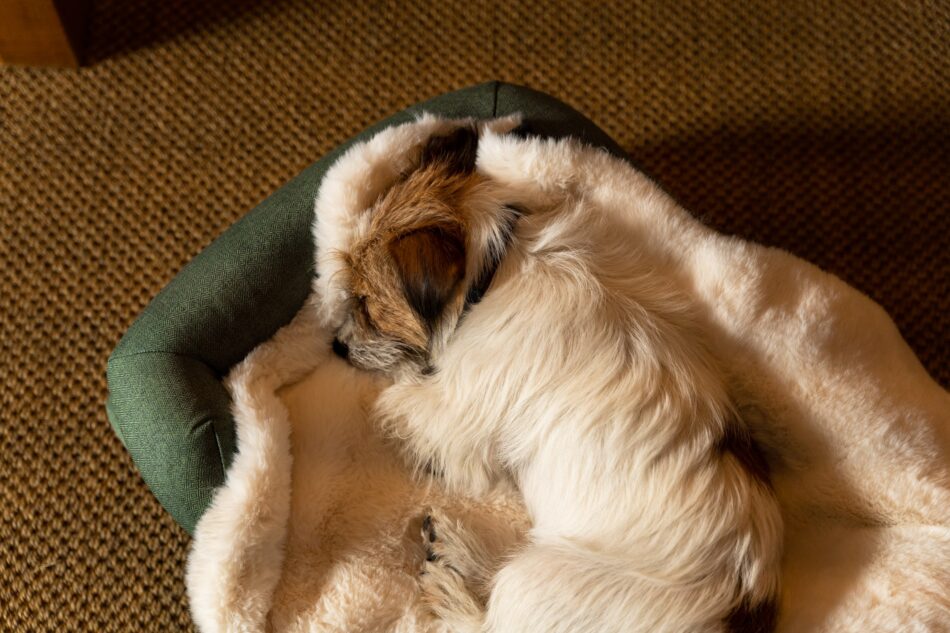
(448, 543)
(449, 572)
(447, 597)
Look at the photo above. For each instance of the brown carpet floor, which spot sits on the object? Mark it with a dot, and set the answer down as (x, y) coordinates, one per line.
(823, 128)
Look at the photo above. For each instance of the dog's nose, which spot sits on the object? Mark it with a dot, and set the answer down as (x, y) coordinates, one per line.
(341, 349)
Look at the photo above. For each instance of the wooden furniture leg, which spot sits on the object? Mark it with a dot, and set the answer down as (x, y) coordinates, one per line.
(42, 32)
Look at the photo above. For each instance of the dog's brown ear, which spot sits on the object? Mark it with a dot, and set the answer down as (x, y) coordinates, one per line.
(456, 151)
(431, 263)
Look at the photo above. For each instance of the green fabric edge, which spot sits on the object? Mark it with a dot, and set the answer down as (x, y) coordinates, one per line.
(166, 400)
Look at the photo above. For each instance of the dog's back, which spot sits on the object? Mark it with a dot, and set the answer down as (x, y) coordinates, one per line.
(590, 377)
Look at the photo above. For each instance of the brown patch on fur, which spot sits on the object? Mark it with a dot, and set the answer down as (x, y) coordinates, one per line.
(738, 441)
(759, 618)
(431, 263)
(376, 300)
(408, 270)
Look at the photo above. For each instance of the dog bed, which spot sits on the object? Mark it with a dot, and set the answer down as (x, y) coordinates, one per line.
(859, 435)
(166, 399)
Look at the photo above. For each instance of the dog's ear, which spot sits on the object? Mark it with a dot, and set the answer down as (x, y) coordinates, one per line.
(431, 263)
(456, 152)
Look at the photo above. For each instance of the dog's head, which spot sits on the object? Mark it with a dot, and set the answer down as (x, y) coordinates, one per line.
(406, 272)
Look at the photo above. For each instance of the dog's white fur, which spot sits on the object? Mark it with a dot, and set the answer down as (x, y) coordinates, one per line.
(585, 376)
(859, 435)
(593, 313)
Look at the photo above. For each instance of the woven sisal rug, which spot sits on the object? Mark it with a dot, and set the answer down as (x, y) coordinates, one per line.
(823, 129)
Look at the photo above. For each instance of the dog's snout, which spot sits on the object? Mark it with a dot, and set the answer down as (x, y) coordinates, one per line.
(341, 349)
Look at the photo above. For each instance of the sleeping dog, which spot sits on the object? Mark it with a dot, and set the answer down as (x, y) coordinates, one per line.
(537, 342)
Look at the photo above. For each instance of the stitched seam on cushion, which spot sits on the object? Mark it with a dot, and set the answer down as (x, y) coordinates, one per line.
(494, 105)
(217, 442)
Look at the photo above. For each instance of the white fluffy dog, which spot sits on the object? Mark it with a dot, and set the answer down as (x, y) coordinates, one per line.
(532, 339)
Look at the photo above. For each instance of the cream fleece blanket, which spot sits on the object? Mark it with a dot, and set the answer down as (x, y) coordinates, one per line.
(316, 527)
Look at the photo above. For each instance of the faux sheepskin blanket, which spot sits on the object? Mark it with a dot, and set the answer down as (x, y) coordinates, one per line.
(316, 527)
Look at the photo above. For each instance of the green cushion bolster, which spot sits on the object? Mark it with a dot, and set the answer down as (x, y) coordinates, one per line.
(166, 400)
(172, 417)
(546, 116)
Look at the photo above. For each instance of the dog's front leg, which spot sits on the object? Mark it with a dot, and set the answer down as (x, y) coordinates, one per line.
(434, 438)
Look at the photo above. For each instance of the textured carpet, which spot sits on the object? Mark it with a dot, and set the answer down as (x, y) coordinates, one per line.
(823, 128)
